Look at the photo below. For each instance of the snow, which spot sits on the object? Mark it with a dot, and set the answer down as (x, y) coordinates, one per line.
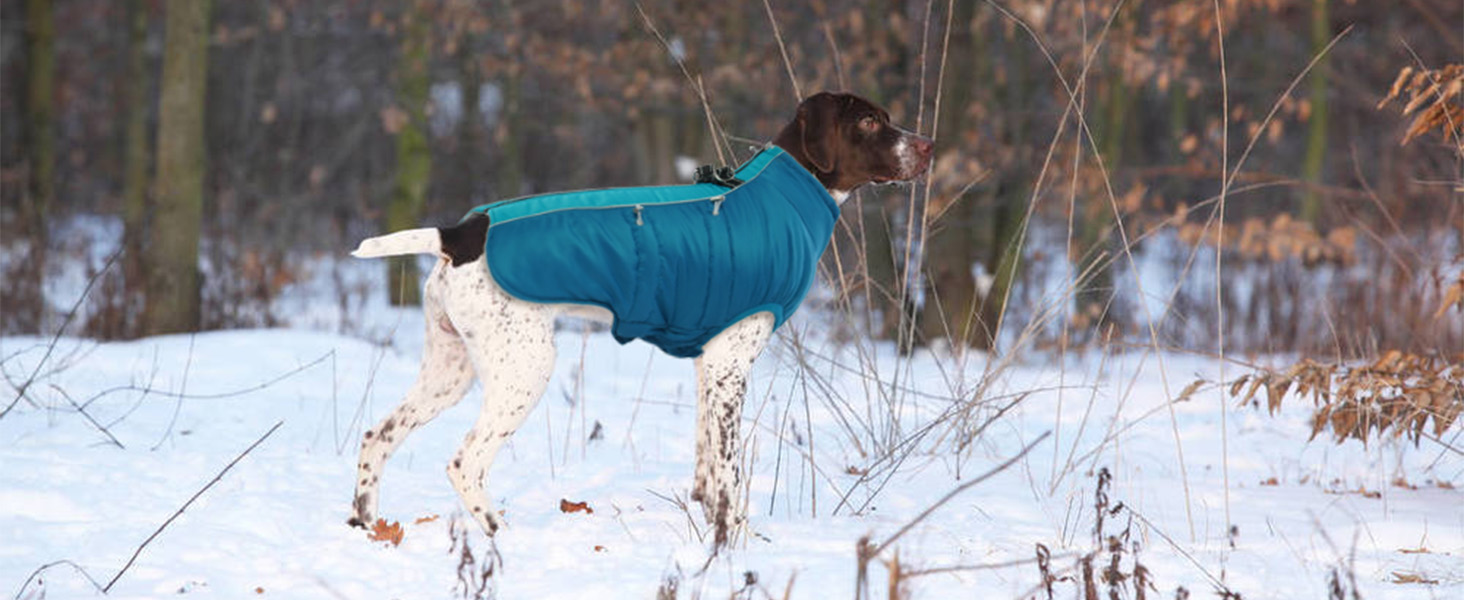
(183, 407)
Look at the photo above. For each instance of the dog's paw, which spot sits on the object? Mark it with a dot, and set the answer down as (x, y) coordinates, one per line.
(357, 523)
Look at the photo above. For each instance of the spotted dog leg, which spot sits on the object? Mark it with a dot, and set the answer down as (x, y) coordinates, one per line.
(511, 344)
(444, 378)
(721, 373)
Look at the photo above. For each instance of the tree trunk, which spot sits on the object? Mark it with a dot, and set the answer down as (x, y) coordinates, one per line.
(23, 300)
(135, 159)
(508, 134)
(1316, 139)
(470, 131)
(172, 255)
(1096, 247)
(414, 158)
(952, 307)
(40, 123)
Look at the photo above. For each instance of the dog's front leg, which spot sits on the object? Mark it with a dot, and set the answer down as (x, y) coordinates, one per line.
(721, 373)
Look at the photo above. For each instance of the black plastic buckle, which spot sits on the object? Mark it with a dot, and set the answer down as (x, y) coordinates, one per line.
(723, 176)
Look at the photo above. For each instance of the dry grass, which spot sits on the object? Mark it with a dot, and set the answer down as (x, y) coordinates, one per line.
(1435, 100)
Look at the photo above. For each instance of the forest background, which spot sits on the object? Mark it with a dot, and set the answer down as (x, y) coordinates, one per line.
(1072, 137)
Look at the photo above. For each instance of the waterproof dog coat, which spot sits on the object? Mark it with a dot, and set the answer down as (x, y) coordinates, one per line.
(675, 265)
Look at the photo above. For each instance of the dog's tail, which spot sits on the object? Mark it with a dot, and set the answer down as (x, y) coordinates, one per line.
(459, 244)
(412, 241)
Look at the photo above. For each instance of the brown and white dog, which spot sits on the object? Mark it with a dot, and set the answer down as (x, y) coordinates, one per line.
(475, 328)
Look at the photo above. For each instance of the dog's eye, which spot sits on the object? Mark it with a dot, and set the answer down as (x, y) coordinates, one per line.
(869, 123)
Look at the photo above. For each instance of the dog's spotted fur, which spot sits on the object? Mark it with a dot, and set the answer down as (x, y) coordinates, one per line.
(474, 328)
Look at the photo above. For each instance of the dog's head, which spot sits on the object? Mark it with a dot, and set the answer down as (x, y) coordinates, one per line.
(847, 141)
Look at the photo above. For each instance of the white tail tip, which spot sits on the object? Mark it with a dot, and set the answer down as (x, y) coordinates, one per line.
(411, 241)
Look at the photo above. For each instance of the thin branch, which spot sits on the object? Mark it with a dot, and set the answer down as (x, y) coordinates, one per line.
(185, 506)
(47, 566)
(778, 34)
(956, 492)
(71, 314)
(89, 419)
(182, 396)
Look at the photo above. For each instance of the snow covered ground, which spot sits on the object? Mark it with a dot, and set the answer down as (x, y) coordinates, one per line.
(616, 431)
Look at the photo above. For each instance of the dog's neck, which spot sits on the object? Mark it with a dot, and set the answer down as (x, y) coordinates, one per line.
(828, 179)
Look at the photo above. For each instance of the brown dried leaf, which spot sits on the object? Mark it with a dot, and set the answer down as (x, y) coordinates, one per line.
(1398, 85)
(393, 119)
(1401, 577)
(381, 531)
(1275, 392)
(566, 506)
(1189, 390)
(1235, 387)
(1256, 383)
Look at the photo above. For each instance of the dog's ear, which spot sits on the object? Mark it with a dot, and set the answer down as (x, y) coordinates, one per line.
(817, 118)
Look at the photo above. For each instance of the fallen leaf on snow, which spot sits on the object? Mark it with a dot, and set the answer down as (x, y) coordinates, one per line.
(574, 507)
(382, 531)
(1401, 577)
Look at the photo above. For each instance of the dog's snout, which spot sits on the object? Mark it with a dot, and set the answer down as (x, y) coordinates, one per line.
(916, 158)
(923, 146)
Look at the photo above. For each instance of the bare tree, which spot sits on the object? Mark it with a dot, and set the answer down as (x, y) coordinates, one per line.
(414, 156)
(172, 254)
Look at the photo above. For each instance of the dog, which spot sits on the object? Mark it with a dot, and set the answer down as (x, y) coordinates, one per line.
(476, 328)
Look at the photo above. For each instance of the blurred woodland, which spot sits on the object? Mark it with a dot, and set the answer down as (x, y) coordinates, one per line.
(1082, 150)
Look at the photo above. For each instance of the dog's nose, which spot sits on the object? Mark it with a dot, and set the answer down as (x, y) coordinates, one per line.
(924, 146)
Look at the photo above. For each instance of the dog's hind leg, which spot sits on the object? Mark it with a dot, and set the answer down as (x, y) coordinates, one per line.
(721, 373)
(512, 346)
(445, 377)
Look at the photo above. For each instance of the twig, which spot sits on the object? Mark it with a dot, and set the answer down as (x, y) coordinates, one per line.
(719, 135)
(182, 389)
(981, 567)
(953, 493)
(51, 347)
(778, 34)
(216, 396)
(43, 568)
(88, 416)
(1219, 585)
(185, 506)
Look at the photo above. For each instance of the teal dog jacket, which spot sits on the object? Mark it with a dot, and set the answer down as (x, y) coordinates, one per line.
(675, 265)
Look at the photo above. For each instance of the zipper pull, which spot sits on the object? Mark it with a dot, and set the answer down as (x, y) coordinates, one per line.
(638, 219)
(717, 204)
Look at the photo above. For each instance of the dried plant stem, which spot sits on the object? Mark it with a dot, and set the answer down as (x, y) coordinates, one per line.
(47, 566)
(216, 396)
(956, 492)
(719, 135)
(55, 338)
(1126, 246)
(179, 512)
(782, 48)
(1219, 258)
